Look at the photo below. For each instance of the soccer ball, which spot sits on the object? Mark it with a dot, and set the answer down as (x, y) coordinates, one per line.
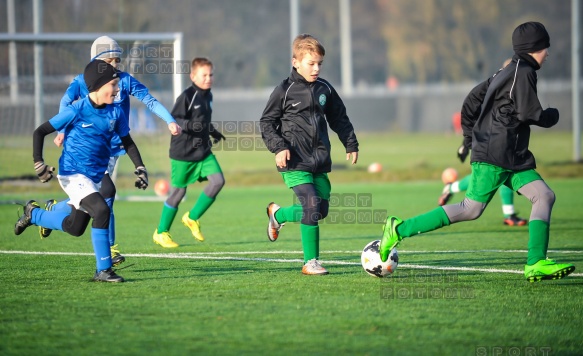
(375, 168)
(449, 175)
(161, 188)
(371, 260)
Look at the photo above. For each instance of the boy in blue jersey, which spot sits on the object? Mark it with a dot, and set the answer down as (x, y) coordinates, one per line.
(107, 49)
(505, 106)
(89, 125)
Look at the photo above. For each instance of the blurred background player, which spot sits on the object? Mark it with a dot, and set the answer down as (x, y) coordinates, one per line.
(294, 126)
(90, 124)
(107, 49)
(496, 126)
(506, 195)
(191, 158)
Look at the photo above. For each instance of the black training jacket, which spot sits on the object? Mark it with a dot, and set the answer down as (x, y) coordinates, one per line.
(192, 111)
(295, 118)
(497, 114)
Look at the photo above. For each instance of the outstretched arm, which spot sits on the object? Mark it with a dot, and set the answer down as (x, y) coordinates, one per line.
(140, 91)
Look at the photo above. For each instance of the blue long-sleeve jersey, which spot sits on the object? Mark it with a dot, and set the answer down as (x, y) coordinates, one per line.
(92, 131)
(128, 85)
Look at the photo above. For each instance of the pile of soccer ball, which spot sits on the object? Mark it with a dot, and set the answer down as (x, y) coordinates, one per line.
(371, 260)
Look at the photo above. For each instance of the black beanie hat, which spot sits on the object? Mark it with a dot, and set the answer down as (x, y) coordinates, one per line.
(530, 37)
(98, 73)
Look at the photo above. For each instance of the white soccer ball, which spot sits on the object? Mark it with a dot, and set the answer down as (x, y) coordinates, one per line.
(371, 260)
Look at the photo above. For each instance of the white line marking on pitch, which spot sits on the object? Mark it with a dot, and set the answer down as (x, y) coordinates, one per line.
(214, 256)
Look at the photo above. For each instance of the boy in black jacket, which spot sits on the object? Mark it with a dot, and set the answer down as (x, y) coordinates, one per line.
(496, 119)
(294, 128)
(191, 158)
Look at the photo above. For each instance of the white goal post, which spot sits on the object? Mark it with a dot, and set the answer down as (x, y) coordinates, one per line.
(177, 66)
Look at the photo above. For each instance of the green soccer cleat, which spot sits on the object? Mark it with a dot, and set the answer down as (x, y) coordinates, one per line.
(547, 269)
(43, 231)
(390, 237)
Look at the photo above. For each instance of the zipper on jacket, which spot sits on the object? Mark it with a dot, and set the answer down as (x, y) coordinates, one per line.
(315, 125)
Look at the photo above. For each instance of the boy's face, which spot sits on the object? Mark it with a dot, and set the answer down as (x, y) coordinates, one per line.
(107, 93)
(541, 56)
(309, 66)
(202, 76)
(112, 61)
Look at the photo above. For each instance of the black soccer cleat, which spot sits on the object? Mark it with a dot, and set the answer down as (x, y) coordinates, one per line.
(25, 220)
(107, 275)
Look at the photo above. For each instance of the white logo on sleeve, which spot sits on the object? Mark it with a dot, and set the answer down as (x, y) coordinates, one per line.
(86, 125)
(296, 104)
(196, 107)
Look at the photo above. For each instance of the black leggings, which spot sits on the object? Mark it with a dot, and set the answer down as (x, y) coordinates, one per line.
(76, 223)
(314, 208)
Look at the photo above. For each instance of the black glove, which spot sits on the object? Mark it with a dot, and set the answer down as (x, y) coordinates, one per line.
(142, 180)
(462, 153)
(44, 172)
(217, 136)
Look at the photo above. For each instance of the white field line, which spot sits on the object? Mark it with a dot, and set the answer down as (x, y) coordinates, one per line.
(216, 256)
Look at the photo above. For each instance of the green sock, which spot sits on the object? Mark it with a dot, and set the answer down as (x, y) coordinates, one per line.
(168, 214)
(435, 219)
(202, 204)
(538, 241)
(292, 213)
(507, 196)
(465, 183)
(310, 241)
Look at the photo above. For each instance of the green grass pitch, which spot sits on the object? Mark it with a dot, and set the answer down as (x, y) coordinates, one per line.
(458, 290)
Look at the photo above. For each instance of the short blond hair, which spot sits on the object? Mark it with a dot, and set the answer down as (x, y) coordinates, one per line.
(200, 62)
(306, 43)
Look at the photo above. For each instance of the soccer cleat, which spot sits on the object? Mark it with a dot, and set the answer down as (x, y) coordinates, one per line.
(273, 226)
(547, 269)
(445, 196)
(313, 268)
(43, 231)
(25, 220)
(390, 237)
(164, 239)
(514, 220)
(107, 275)
(194, 226)
(116, 257)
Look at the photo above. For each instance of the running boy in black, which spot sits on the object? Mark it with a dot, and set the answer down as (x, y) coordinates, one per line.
(294, 126)
(191, 158)
(498, 134)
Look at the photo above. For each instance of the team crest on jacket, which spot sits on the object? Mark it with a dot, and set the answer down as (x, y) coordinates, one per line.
(111, 125)
(322, 99)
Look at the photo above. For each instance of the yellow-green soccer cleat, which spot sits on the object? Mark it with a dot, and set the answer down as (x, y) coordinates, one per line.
(43, 231)
(164, 239)
(194, 226)
(390, 237)
(547, 269)
(116, 257)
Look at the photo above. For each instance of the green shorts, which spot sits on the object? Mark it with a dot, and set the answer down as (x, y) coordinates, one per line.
(319, 180)
(487, 178)
(184, 173)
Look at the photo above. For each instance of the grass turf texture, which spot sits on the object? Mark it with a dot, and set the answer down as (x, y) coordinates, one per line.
(212, 298)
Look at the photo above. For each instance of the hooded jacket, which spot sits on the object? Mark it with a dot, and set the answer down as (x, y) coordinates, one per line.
(193, 111)
(295, 118)
(497, 114)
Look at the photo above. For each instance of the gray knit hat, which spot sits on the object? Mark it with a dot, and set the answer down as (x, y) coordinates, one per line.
(105, 47)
